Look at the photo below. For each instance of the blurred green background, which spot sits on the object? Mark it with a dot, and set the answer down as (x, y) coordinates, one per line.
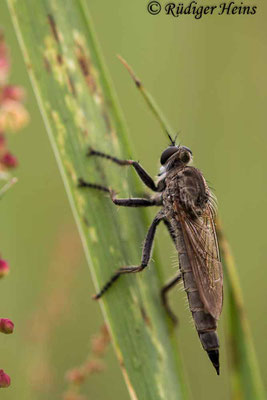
(209, 77)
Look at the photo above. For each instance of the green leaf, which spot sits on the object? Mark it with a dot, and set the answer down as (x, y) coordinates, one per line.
(79, 109)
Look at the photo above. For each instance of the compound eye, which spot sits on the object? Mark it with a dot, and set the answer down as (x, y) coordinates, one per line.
(167, 154)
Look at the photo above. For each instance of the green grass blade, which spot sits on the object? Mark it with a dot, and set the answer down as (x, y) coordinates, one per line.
(79, 110)
(246, 380)
(152, 105)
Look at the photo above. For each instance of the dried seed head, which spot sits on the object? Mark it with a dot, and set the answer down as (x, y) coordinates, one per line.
(73, 396)
(4, 268)
(76, 376)
(100, 341)
(6, 325)
(4, 379)
(105, 332)
(13, 116)
(94, 366)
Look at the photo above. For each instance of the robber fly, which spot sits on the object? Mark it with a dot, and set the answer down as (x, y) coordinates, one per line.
(188, 211)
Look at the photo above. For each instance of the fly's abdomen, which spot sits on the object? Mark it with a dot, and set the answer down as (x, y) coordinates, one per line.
(205, 324)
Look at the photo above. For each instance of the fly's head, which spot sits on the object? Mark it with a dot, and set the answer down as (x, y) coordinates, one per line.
(175, 156)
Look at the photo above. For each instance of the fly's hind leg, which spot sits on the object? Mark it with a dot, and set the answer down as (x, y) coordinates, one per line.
(146, 255)
(164, 298)
(172, 283)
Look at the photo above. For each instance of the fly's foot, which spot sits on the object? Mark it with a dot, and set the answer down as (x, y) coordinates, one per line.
(164, 298)
(81, 182)
(174, 319)
(113, 194)
(90, 152)
(171, 316)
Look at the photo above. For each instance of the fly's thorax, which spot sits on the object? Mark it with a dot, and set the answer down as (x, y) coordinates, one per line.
(171, 192)
(187, 190)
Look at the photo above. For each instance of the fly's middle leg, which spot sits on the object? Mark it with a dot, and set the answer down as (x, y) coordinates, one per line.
(136, 202)
(83, 184)
(147, 248)
(131, 202)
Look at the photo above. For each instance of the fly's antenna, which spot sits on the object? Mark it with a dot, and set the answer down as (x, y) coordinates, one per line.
(149, 100)
(171, 139)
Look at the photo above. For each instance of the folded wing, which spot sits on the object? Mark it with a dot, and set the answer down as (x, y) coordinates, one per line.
(203, 253)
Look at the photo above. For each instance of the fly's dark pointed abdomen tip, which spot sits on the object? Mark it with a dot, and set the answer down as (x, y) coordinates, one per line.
(214, 358)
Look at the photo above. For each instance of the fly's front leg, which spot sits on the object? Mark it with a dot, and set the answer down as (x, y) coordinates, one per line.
(164, 298)
(146, 255)
(145, 177)
(132, 202)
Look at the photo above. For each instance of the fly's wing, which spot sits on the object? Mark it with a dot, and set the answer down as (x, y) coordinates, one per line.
(203, 253)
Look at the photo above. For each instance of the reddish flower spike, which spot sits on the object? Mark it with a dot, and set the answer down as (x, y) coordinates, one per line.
(4, 379)
(4, 268)
(9, 160)
(6, 326)
(12, 92)
(2, 141)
